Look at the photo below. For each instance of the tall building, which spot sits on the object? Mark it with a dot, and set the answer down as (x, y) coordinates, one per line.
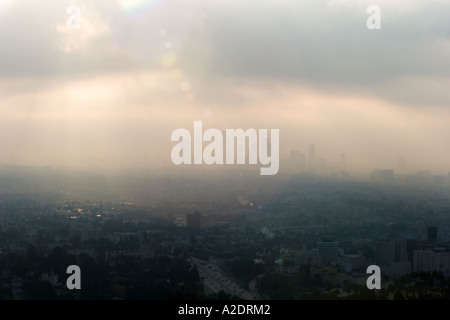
(312, 157)
(428, 260)
(328, 251)
(388, 251)
(392, 256)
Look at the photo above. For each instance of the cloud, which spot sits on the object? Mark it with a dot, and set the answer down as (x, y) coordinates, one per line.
(126, 78)
(324, 43)
(36, 41)
(89, 30)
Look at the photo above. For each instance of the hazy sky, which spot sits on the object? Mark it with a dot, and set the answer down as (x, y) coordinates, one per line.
(112, 91)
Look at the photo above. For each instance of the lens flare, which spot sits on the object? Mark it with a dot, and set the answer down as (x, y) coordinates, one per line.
(132, 6)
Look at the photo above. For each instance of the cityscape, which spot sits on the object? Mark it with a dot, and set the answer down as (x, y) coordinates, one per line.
(198, 152)
(223, 234)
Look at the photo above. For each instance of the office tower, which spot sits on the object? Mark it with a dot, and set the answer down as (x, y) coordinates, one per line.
(312, 157)
(392, 256)
(388, 251)
(428, 260)
(328, 251)
(432, 234)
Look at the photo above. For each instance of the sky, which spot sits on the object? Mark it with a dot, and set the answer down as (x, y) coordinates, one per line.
(108, 89)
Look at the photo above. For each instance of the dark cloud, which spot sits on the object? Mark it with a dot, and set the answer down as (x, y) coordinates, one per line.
(322, 41)
(330, 47)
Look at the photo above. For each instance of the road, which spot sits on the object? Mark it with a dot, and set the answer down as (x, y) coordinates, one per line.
(215, 280)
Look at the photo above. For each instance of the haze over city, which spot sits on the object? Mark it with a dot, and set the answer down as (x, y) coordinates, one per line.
(224, 150)
(109, 93)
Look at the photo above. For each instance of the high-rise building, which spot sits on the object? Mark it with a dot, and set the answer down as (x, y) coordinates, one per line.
(328, 251)
(392, 256)
(388, 251)
(428, 260)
